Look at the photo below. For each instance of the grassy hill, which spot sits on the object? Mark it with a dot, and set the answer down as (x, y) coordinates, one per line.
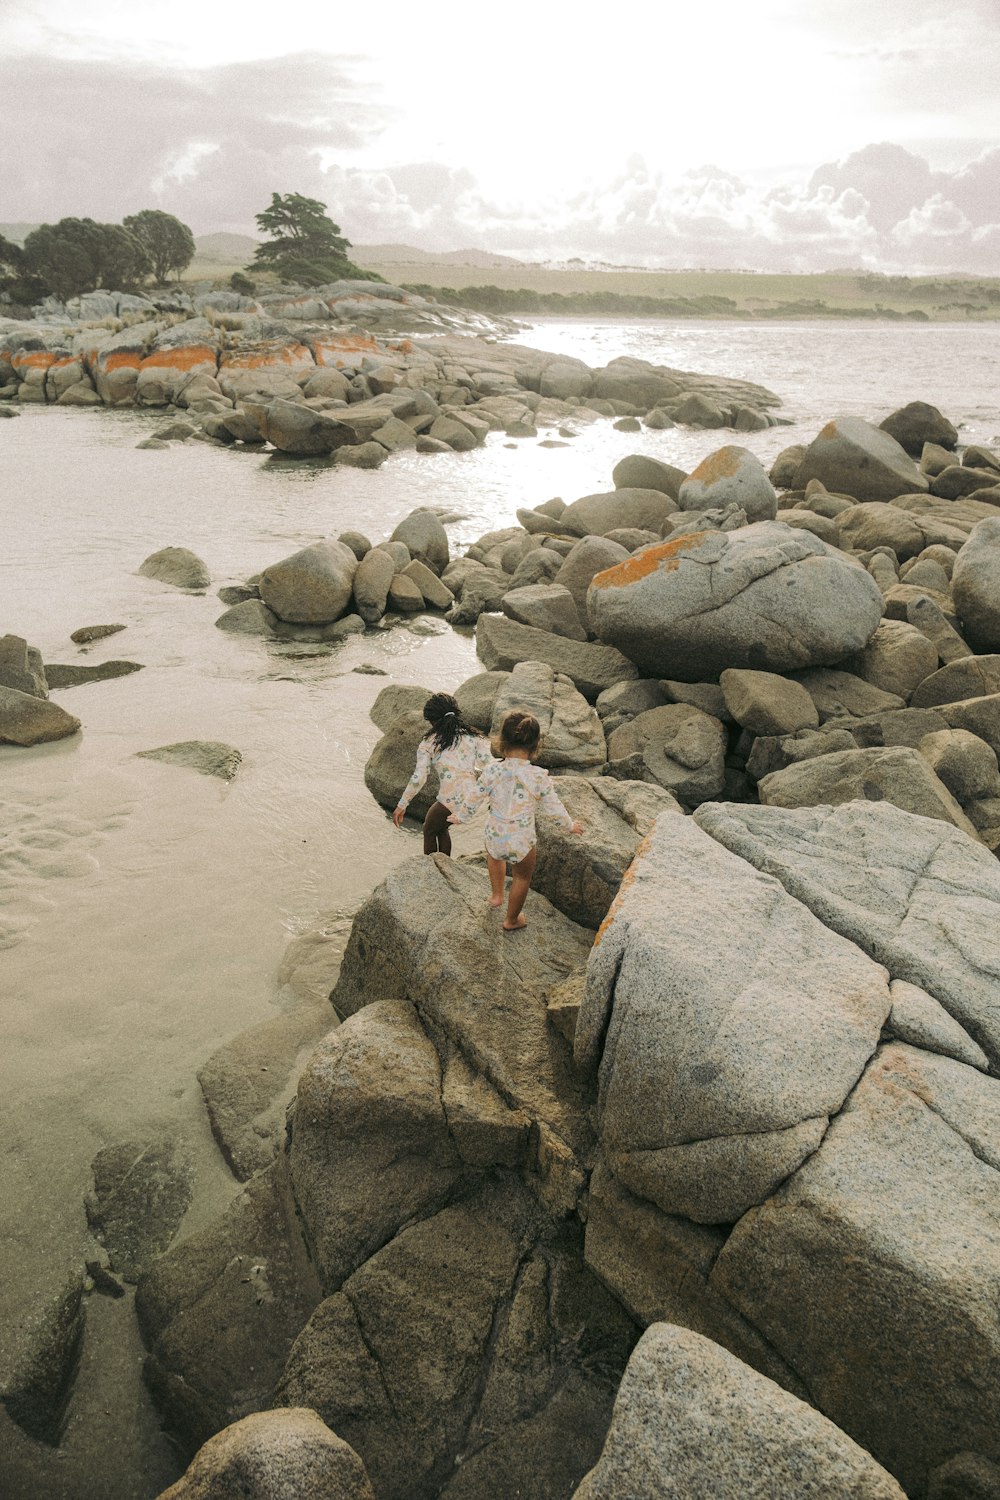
(619, 292)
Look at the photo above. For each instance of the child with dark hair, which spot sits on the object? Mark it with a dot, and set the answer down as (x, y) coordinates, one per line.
(515, 789)
(457, 753)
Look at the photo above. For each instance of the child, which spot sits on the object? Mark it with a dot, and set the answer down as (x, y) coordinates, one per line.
(514, 788)
(457, 753)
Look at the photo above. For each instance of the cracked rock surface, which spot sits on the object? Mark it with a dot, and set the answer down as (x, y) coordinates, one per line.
(718, 1079)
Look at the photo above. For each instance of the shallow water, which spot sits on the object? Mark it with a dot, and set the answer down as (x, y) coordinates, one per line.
(144, 908)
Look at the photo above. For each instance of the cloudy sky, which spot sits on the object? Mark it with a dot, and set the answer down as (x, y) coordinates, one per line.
(783, 134)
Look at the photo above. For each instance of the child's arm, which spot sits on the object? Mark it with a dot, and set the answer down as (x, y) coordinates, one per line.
(484, 783)
(484, 754)
(553, 806)
(416, 781)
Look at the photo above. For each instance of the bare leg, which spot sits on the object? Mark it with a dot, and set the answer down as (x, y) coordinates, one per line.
(519, 886)
(498, 875)
(437, 839)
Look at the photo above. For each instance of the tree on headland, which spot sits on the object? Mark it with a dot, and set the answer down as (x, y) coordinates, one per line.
(305, 244)
(168, 244)
(80, 255)
(16, 283)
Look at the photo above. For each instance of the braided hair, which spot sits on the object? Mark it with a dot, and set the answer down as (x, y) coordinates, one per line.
(445, 718)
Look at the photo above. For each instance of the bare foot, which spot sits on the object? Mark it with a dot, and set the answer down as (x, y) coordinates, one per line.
(495, 901)
(514, 926)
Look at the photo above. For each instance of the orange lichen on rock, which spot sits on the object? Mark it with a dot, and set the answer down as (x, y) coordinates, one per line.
(627, 880)
(346, 343)
(722, 464)
(830, 430)
(122, 359)
(34, 359)
(188, 358)
(640, 565)
(295, 355)
(403, 346)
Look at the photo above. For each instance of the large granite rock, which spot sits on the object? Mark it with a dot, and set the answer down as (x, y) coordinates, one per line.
(851, 457)
(473, 1356)
(580, 873)
(502, 643)
(220, 1311)
(427, 935)
(422, 533)
(717, 1080)
(897, 659)
(371, 584)
(691, 1420)
(572, 736)
(967, 677)
(294, 428)
(640, 471)
(918, 423)
(592, 554)
(765, 597)
(371, 1147)
(288, 1454)
(28, 720)
(765, 703)
(546, 606)
(918, 895)
(888, 1240)
(21, 667)
(313, 586)
(975, 585)
(595, 514)
(677, 746)
(391, 763)
(908, 533)
(730, 476)
(893, 773)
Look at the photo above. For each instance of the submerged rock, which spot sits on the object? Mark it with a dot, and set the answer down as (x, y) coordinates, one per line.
(142, 1190)
(178, 567)
(72, 675)
(209, 757)
(39, 1360)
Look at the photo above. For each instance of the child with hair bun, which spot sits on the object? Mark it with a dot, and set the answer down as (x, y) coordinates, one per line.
(457, 753)
(515, 789)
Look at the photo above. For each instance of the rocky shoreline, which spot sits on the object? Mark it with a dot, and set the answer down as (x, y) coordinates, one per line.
(355, 369)
(701, 1166)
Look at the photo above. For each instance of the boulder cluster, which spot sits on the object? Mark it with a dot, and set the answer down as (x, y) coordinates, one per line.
(724, 638)
(693, 1187)
(339, 371)
(28, 715)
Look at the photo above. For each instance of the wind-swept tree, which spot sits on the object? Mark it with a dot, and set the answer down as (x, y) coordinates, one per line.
(80, 255)
(305, 244)
(168, 244)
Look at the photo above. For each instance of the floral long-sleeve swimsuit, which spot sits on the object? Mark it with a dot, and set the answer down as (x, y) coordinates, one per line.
(457, 768)
(515, 790)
